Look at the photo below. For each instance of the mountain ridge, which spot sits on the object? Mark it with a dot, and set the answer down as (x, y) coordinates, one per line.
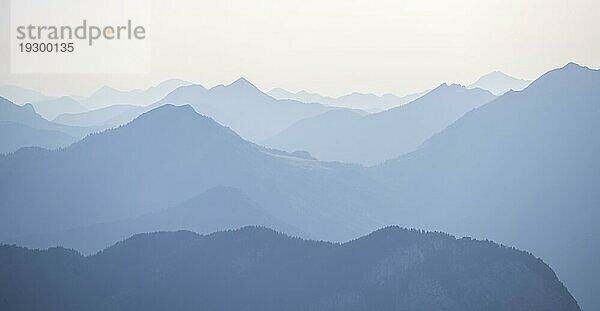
(242, 268)
(377, 137)
(355, 100)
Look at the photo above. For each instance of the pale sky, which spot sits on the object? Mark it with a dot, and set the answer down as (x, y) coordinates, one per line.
(335, 47)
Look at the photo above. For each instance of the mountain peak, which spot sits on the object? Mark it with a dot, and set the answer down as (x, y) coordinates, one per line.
(573, 65)
(444, 87)
(498, 83)
(497, 75)
(166, 127)
(106, 89)
(572, 76)
(454, 92)
(242, 82)
(575, 68)
(171, 110)
(171, 115)
(240, 87)
(181, 119)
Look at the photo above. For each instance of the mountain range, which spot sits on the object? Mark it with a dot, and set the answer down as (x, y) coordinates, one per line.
(14, 136)
(260, 269)
(22, 96)
(167, 156)
(108, 96)
(10, 112)
(348, 137)
(251, 113)
(217, 209)
(496, 82)
(104, 118)
(23, 127)
(239, 105)
(523, 170)
(360, 101)
(50, 109)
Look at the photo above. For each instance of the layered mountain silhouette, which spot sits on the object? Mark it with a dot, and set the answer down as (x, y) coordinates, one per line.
(347, 137)
(108, 96)
(102, 118)
(14, 136)
(524, 170)
(217, 209)
(521, 169)
(23, 127)
(21, 96)
(251, 113)
(27, 115)
(167, 156)
(361, 101)
(260, 269)
(241, 106)
(499, 83)
(50, 109)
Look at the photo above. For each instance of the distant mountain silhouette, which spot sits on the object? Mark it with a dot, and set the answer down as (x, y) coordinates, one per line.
(102, 118)
(251, 113)
(302, 96)
(523, 170)
(372, 139)
(107, 96)
(259, 269)
(241, 106)
(21, 96)
(217, 209)
(15, 135)
(27, 115)
(499, 83)
(367, 102)
(50, 109)
(167, 156)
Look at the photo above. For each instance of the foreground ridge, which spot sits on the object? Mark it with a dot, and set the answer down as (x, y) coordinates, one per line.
(260, 269)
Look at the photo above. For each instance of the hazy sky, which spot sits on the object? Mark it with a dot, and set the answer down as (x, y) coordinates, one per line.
(339, 46)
